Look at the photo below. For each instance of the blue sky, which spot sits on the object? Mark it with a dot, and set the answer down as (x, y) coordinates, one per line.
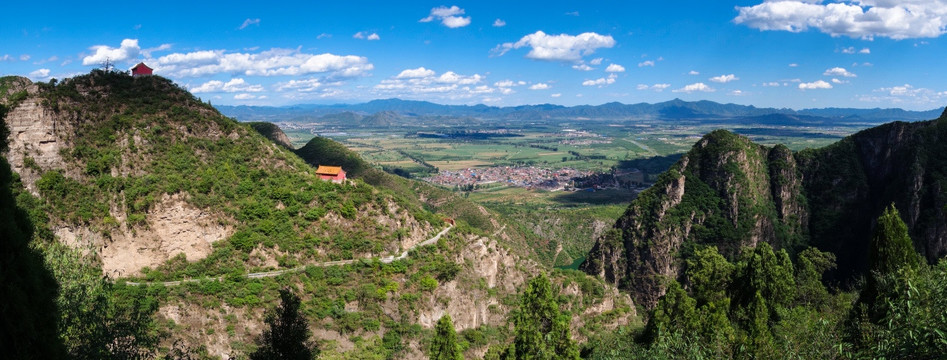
(793, 53)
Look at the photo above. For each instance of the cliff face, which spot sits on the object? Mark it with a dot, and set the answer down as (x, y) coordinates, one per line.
(730, 193)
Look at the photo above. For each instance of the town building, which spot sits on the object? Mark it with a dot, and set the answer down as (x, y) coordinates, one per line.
(331, 173)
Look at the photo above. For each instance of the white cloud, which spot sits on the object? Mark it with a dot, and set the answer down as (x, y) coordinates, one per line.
(864, 51)
(613, 68)
(655, 87)
(596, 61)
(601, 81)
(305, 85)
(128, 50)
(771, 84)
(562, 47)
(323, 36)
(499, 23)
(366, 36)
(837, 81)
(837, 71)
(272, 62)
(693, 72)
(448, 16)
(907, 94)
(6, 57)
(425, 83)
(646, 63)
(539, 86)
(724, 78)
(247, 97)
(793, 65)
(848, 50)
(415, 73)
(582, 67)
(819, 84)
(508, 83)
(736, 93)
(147, 52)
(39, 74)
(556, 95)
(234, 85)
(249, 22)
(857, 19)
(695, 87)
(25, 57)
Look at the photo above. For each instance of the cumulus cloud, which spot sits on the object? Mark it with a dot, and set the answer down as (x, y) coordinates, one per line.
(234, 85)
(39, 74)
(819, 84)
(562, 47)
(305, 85)
(864, 51)
(422, 82)
(694, 88)
(736, 93)
(724, 78)
(614, 68)
(556, 95)
(499, 23)
(655, 87)
(771, 84)
(582, 67)
(248, 97)
(858, 19)
(837, 71)
(596, 61)
(601, 81)
(646, 63)
(415, 73)
(539, 86)
(448, 16)
(249, 22)
(272, 62)
(693, 72)
(793, 65)
(128, 50)
(25, 57)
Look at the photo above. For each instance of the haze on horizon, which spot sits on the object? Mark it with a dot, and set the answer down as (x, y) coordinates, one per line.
(783, 54)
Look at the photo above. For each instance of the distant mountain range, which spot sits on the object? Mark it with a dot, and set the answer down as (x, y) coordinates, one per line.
(670, 110)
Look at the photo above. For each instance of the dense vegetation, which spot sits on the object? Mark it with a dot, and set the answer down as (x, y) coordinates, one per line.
(765, 306)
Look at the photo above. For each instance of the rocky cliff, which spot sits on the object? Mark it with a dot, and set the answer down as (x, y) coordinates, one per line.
(730, 193)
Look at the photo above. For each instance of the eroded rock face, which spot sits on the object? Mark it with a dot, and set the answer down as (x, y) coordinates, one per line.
(174, 227)
(38, 134)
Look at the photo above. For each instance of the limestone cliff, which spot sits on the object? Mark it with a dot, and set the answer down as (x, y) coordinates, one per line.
(731, 193)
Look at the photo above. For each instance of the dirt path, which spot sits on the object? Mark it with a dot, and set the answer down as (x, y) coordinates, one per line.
(386, 260)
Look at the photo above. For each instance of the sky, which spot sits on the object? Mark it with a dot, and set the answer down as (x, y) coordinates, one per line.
(785, 54)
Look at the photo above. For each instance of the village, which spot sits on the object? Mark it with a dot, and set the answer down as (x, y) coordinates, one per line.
(531, 177)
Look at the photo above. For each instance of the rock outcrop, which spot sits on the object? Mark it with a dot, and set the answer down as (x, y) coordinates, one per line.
(731, 193)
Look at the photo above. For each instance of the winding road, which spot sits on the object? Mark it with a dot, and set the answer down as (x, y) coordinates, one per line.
(386, 260)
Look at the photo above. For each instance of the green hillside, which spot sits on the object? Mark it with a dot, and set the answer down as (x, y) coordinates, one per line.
(169, 215)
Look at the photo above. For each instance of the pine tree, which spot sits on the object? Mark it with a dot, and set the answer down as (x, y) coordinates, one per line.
(288, 334)
(540, 331)
(891, 251)
(445, 346)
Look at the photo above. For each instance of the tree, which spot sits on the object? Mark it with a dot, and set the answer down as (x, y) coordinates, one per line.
(891, 251)
(540, 331)
(288, 334)
(445, 346)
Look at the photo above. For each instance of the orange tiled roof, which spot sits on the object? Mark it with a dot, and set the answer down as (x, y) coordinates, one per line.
(328, 170)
